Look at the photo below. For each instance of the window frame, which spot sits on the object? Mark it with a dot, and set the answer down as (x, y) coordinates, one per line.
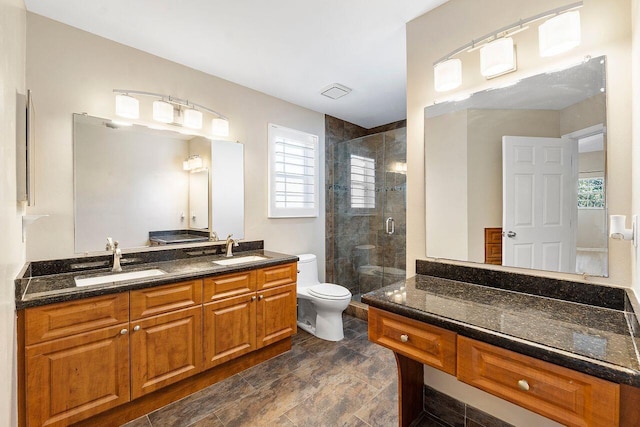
(276, 134)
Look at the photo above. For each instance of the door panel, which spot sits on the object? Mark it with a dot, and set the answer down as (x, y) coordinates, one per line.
(276, 314)
(539, 202)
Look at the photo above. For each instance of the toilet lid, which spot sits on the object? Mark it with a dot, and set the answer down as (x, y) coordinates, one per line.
(329, 291)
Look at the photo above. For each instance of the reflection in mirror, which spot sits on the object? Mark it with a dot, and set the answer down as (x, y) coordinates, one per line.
(515, 176)
(129, 181)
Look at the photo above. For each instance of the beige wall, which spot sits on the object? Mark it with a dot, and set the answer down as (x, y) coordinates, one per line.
(12, 252)
(606, 31)
(635, 88)
(71, 71)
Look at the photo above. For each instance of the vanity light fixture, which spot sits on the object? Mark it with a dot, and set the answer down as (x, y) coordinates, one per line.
(220, 127)
(447, 75)
(171, 110)
(558, 34)
(193, 163)
(127, 106)
(497, 57)
(162, 112)
(192, 119)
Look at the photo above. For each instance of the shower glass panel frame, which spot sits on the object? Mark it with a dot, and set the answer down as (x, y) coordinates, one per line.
(367, 199)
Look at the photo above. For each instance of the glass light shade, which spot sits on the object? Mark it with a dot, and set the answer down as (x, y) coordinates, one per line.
(559, 34)
(185, 165)
(220, 126)
(447, 75)
(195, 162)
(127, 106)
(162, 112)
(497, 57)
(192, 119)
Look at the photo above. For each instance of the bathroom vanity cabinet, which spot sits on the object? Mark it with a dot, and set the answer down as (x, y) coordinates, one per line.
(249, 310)
(569, 356)
(115, 357)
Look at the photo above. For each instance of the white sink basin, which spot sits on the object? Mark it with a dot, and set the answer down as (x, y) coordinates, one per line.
(239, 260)
(118, 277)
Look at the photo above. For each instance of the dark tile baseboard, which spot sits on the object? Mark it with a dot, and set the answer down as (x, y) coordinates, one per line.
(442, 410)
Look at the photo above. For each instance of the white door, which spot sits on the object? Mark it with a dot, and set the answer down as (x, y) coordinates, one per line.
(539, 202)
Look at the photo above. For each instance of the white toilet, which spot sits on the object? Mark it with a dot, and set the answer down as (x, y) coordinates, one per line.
(320, 305)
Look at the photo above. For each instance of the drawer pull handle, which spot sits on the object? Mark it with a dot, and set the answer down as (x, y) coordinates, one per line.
(404, 338)
(523, 385)
(123, 332)
(136, 328)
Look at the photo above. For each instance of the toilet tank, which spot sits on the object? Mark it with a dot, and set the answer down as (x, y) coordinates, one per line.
(307, 270)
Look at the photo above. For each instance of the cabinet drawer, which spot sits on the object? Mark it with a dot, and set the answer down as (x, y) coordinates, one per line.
(73, 317)
(569, 397)
(229, 285)
(277, 276)
(161, 299)
(419, 341)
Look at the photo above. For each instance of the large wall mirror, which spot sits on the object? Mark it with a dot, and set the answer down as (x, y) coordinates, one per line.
(130, 181)
(516, 175)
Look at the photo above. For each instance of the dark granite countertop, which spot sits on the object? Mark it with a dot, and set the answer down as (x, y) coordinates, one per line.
(41, 289)
(596, 340)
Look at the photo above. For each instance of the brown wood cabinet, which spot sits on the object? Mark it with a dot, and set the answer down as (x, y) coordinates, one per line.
(124, 354)
(229, 329)
(564, 395)
(255, 319)
(165, 349)
(428, 344)
(493, 246)
(76, 359)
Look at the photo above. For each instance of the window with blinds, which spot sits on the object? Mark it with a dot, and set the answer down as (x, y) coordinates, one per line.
(293, 173)
(363, 182)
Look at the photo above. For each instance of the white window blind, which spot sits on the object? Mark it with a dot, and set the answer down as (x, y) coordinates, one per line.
(293, 173)
(363, 182)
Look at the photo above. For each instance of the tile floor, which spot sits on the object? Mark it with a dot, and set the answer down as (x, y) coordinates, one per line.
(318, 383)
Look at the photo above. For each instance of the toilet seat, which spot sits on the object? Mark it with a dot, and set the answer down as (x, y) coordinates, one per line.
(329, 291)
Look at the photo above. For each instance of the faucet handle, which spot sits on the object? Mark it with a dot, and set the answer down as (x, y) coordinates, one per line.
(109, 244)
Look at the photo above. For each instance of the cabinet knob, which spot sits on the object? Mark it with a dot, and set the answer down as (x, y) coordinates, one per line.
(136, 328)
(253, 298)
(260, 297)
(523, 385)
(404, 338)
(123, 332)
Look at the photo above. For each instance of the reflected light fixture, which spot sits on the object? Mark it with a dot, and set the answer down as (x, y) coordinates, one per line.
(220, 126)
(193, 163)
(559, 34)
(447, 75)
(497, 57)
(127, 106)
(192, 119)
(162, 112)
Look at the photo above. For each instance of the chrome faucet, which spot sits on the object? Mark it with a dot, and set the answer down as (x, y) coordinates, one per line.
(117, 254)
(230, 243)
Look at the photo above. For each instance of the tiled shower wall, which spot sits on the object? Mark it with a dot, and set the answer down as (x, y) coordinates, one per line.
(356, 239)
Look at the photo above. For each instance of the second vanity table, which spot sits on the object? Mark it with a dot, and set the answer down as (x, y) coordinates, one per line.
(547, 345)
(180, 320)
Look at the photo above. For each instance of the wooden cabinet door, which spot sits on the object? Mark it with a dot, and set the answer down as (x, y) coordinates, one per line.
(71, 379)
(165, 349)
(229, 329)
(276, 314)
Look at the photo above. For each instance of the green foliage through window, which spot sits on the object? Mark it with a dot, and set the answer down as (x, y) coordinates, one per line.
(591, 193)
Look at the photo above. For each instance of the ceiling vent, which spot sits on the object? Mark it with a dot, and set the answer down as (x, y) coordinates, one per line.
(335, 91)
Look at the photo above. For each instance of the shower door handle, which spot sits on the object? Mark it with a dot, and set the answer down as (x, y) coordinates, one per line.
(391, 225)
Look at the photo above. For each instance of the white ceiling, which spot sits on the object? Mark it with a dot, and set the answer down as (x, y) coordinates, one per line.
(290, 49)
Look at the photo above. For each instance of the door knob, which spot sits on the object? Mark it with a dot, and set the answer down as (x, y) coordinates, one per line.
(136, 328)
(511, 234)
(253, 298)
(123, 332)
